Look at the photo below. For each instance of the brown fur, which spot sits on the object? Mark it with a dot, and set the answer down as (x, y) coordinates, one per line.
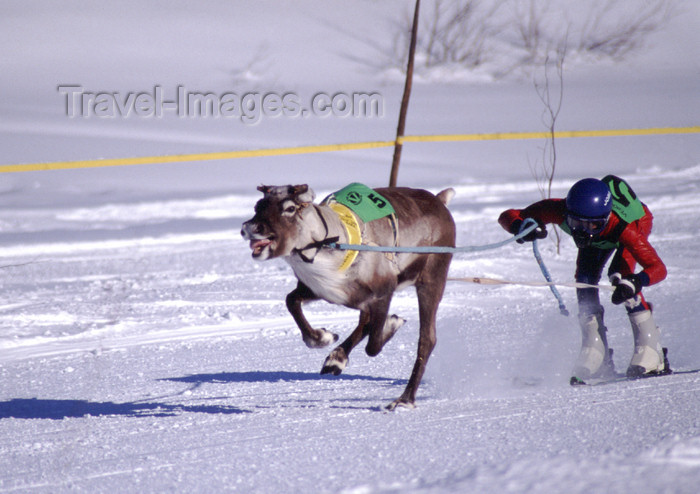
(287, 224)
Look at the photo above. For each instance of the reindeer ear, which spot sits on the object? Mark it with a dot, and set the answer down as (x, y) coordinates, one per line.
(303, 193)
(265, 189)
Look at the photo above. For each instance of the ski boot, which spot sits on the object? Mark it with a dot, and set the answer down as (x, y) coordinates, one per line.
(649, 357)
(595, 358)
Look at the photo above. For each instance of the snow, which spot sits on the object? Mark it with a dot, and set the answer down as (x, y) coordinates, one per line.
(142, 349)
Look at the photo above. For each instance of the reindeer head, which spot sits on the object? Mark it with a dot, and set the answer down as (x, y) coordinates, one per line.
(278, 226)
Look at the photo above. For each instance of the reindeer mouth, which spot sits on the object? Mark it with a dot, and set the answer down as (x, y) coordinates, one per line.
(258, 246)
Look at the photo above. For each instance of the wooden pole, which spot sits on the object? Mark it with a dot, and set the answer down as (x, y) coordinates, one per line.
(404, 102)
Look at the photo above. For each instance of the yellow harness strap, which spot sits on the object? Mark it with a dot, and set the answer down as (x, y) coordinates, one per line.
(352, 228)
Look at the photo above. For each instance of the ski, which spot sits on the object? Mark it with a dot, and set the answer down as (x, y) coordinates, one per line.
(616, 378)
(575, 381)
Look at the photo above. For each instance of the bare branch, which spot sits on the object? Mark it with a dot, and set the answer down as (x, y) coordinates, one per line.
(552, 100)
(626, 35)
(517, 36)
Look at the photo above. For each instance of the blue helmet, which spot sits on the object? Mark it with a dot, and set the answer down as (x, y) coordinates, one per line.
(589, 198)
(588, 206)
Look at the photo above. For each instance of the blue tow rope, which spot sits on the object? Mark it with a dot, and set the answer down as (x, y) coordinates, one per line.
(532, 224)
(528, 225)
(545, 272)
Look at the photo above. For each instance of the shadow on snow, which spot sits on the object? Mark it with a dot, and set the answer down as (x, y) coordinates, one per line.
(56, 409)
(34, 408)
(275, 376)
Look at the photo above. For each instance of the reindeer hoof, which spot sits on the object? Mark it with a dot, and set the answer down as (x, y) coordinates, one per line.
(391, 326)
(323, 339)
(399, 403)
(335, 362)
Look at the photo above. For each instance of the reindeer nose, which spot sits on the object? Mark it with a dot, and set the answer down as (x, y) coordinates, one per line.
(245, 230)
(249, 228)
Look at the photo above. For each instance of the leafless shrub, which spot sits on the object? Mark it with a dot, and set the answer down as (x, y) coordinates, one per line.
(456, 32)
(451, 33)
(519, 35)
(531, 34)
(607, 30)
(626, 34)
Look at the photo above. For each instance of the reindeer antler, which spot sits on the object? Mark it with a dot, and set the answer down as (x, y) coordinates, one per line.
(303, 193)
(300, 193)
(295, 190)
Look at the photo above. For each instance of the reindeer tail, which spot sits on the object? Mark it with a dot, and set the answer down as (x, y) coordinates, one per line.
(446, 195)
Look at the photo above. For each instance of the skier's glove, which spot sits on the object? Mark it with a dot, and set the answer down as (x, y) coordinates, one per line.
(614, 278)
(537, 233)
(626, 287)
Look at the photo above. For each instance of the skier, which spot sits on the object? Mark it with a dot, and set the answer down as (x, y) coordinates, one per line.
(605, 217)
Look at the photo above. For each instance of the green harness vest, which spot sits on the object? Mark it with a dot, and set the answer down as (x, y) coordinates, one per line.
(358, 200)
(625, 204)
(366, 203)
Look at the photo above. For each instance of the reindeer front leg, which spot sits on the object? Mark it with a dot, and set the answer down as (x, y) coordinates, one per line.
(314, 338)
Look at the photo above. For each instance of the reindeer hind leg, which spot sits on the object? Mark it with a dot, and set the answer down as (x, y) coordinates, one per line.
(337, 360)
(429, 292)
(381, 328)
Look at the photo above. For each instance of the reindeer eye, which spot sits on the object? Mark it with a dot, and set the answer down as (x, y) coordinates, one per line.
(288, 208)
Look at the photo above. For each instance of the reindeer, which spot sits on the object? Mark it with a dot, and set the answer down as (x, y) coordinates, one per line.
(288, 224)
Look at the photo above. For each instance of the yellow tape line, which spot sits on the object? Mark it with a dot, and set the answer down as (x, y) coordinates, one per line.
(558, 134)
(179, 158)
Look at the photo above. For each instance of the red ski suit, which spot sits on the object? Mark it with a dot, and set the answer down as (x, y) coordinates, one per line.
(632, 239)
